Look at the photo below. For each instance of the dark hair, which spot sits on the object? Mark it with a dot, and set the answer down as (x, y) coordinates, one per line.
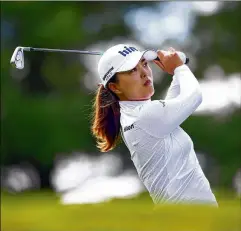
(106, 118)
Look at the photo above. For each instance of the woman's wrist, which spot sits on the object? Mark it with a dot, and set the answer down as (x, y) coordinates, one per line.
(179, 68)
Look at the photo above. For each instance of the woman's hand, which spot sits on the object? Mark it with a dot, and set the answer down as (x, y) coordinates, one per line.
(169, 60)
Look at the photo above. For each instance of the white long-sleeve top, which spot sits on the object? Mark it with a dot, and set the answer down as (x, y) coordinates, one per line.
(160, 149)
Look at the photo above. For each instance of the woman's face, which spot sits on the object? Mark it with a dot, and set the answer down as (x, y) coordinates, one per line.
(136, 84)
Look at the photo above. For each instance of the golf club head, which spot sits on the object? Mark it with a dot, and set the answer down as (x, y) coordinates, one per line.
(17, 59)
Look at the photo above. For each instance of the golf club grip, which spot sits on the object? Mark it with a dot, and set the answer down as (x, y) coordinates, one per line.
(186, 62)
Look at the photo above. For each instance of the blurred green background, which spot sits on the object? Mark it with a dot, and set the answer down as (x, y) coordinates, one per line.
(45, 108)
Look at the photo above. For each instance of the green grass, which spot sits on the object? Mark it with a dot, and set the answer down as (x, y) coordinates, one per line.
(42, 211)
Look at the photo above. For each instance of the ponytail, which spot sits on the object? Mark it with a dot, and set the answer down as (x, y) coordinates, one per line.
(106, 118)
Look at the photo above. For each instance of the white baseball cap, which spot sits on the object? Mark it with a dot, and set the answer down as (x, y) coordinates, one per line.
(120, 58)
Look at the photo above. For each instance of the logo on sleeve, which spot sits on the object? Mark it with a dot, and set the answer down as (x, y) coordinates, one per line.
(163, 103)
(127, 128)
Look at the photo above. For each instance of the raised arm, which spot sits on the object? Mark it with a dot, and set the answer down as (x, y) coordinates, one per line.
(174, 89)
(160, 117)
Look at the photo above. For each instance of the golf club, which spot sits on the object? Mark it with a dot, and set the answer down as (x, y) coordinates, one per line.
(17, 59)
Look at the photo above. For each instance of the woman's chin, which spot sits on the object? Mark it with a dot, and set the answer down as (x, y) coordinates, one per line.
(148, 96)
(152, 91)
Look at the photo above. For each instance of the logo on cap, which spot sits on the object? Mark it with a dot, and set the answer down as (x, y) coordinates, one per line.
(108, 74)
(127, 51)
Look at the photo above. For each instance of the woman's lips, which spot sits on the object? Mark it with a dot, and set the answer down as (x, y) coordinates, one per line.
(148, 83)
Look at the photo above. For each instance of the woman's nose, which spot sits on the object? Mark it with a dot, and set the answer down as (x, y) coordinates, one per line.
(143, 72)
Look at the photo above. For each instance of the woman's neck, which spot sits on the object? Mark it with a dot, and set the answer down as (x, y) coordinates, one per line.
(140, 99)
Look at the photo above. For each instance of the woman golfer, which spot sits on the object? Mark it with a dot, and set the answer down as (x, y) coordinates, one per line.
(160, 149)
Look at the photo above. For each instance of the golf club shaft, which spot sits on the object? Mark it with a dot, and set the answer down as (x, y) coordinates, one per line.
(61, 50)
(72, 51)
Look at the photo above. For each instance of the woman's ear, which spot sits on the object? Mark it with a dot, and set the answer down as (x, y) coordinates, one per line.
(114, 88)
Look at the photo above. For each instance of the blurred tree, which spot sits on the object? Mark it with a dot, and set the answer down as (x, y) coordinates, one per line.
(220, 38)
(44, 111)
(220, 41)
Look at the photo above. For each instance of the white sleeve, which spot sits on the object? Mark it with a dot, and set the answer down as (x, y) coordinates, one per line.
(174, 89)
(160, 117)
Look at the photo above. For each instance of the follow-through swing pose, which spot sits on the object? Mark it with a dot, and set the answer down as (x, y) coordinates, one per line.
(162, 152)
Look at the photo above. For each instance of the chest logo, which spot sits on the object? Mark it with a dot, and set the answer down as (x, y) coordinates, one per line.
(163, 103)
(127, 128)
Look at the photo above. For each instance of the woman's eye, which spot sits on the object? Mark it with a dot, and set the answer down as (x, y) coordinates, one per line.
(133, 70)
(145, 64)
